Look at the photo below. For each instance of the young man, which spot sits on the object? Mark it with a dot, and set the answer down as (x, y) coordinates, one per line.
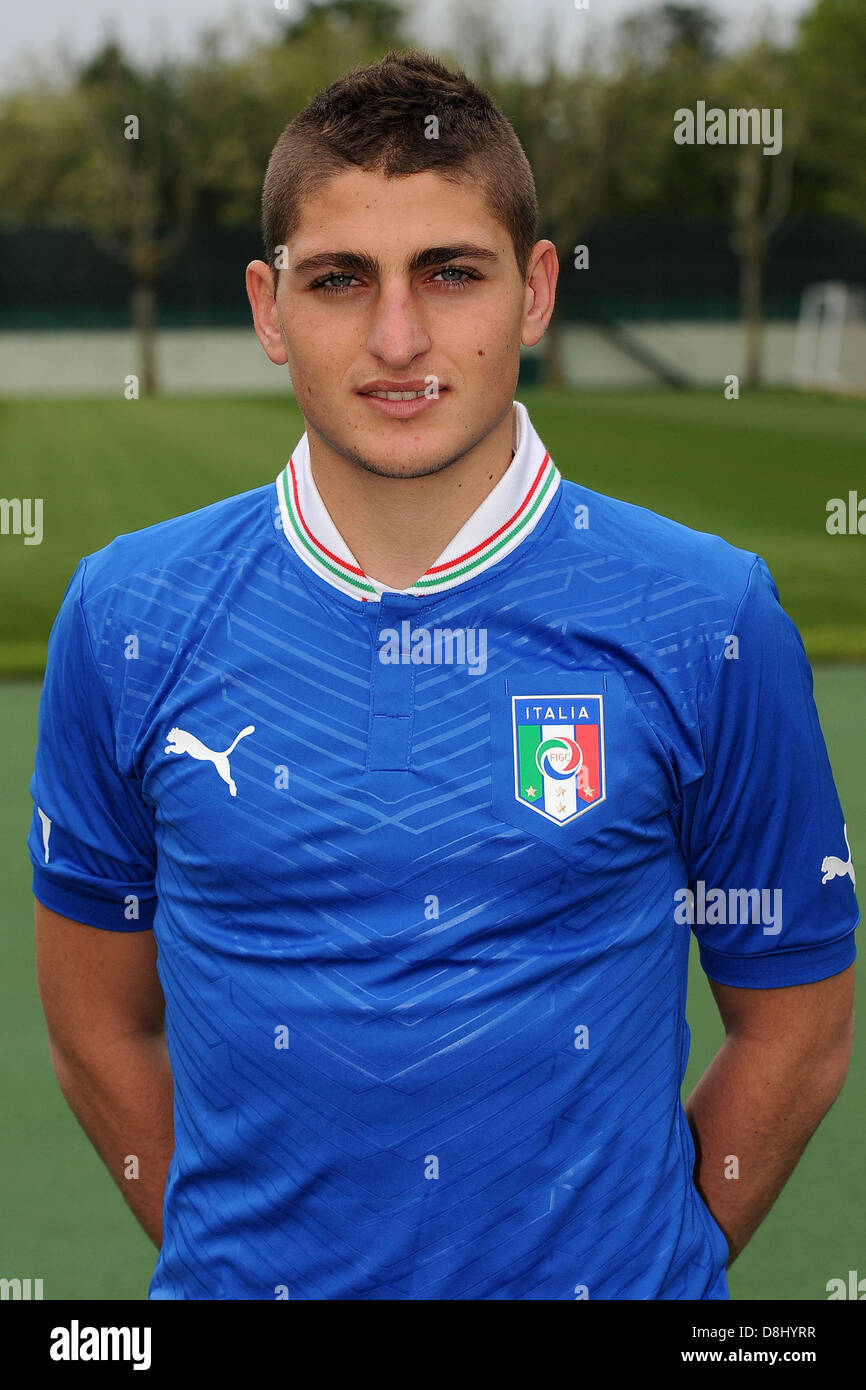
(398, 784)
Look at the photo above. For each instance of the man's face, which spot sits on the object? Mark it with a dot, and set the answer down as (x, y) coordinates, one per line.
(403, 284)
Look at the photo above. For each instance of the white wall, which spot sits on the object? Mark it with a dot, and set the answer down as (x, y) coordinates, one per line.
(95, 362)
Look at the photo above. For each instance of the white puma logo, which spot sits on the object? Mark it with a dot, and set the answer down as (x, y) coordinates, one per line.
(832, 866)
(179, 741)
(46, 830)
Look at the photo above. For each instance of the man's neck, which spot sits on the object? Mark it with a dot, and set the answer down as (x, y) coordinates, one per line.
(397, 527)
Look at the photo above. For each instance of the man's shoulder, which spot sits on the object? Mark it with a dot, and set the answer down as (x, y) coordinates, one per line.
(228, 526)
(606, 527)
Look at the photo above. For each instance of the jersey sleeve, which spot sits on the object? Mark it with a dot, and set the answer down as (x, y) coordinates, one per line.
(91, 839)
(770, 872)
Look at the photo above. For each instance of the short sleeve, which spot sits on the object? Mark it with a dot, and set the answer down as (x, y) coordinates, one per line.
(91, 839)
(770, 871)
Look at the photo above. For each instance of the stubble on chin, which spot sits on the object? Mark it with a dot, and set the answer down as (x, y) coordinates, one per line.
(419, 468)
(425, 468)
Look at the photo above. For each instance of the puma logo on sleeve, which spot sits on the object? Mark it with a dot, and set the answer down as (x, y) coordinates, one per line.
(46, 830)
(179, 741)
(833, 867)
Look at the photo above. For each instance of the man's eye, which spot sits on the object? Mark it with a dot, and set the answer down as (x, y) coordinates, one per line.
(461, 271)
(338, 281)
(326, 282)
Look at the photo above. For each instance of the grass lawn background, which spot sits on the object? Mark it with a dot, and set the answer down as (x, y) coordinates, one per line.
(758, 471)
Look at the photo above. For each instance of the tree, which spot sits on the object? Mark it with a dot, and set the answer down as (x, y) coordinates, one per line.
(761, 185)
(137, 182)
(829, 64)
(675, 47)
(600, 137)
(572, 127)
(108, 149)
(378, 21)
(652, 38)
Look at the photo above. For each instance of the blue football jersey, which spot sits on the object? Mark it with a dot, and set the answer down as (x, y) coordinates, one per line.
(423, 868)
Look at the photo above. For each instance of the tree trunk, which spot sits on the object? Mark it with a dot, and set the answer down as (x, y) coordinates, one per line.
(749, 242)
(144, 323)
(752, 294)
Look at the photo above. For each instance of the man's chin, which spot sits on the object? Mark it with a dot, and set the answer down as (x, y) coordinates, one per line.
(397, 449)
(415, 461)
(392, 448)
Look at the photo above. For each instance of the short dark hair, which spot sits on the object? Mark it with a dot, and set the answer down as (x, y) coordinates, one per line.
(375, 118)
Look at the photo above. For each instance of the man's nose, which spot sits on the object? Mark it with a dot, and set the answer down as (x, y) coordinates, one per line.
(398, 332)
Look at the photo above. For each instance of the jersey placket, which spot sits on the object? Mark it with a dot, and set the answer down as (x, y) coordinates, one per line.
(392, 689)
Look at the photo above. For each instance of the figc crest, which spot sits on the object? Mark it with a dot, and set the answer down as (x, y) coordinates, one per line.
(558, 754)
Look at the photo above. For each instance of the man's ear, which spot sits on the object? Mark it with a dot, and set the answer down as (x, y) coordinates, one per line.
(541, 276)
(260, 292)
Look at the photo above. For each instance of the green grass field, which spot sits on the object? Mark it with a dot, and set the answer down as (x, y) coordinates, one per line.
(757, 471)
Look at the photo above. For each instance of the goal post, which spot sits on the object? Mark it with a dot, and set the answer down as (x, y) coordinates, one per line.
(830, 341)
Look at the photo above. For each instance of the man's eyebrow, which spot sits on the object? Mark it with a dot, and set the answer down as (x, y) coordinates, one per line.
(368, 265)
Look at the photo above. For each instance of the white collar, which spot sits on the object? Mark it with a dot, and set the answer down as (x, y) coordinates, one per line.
(509, 512)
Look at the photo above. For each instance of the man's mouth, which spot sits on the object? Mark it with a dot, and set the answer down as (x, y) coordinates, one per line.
(402, 400)
(394, 395)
